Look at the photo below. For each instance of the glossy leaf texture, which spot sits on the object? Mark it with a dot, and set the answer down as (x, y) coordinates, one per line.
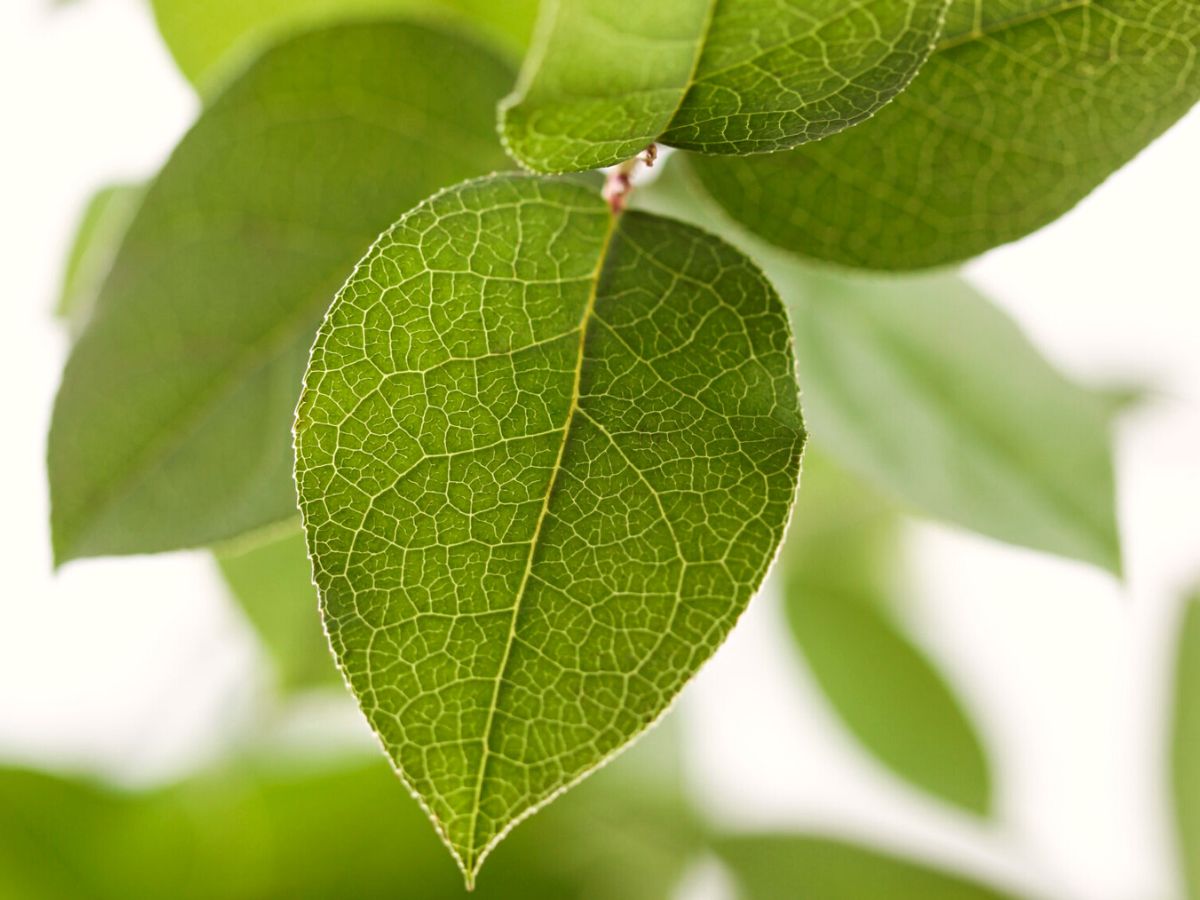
(172, 426)
(544, 457)
(97, 237)
(771, 867)
(212, 40)
(605, 78)
(1025, 107)
(1185, 745)
(280, 829)
(931, 393)
(271, 580)
(843, 584)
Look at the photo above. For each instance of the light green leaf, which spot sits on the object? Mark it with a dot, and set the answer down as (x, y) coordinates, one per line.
(841, 577)
(272, 581)
(1185, 745)
(211, 40)
(772, 867)
(931, 393)
(544, 456)
(97, 237)
(274, 829)
(605, 78)
(1026, 106)
(172, 424)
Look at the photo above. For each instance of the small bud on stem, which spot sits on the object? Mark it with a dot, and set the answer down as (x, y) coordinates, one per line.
(619, 182)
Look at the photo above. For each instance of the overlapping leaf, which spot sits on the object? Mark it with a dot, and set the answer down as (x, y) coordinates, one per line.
(1185, 746)
(544, 457)
(97, 237)
(607, 77)
(926, 389)
(210, 40)
(172, 426)
(1025, 107)
(841, 578)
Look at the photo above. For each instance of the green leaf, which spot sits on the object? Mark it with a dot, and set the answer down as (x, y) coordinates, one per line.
(97, 237)
(924, 388)
(841, 574)
(770, 867)
(270, 829)
(544, 456)
(605, 78)
(1025, 107)
(172, 424)
(213, 39)
(1185, 745)
(272, 581)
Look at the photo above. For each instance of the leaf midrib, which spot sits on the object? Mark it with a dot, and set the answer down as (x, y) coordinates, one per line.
(474, 858)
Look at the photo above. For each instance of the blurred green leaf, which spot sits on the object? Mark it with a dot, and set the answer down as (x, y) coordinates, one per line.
(605, 78)
(1185, 745)
(265, 831)
(545, 456)
(775, 867)
(210, 40)
(272, 581)
(1024, 108)
(97, 237)
(840, 572)
(172, 427)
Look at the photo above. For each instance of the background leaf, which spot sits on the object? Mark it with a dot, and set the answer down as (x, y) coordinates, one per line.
(97, 237)
(172, 425)
(841, 576)
(608, 77)
(1025, 107)
(770, 867)
(1185, 745)
(211, 40)
(544, 458)
(271, 579)
(928, 391)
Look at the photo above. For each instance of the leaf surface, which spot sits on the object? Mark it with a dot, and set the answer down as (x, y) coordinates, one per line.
(1025, 107)
(604, 79)
(770, 867)
(1185, 746)
(842, 579)
(544, 458)
(930, 392)
(172, 424)
(211, 40)
(97, 237)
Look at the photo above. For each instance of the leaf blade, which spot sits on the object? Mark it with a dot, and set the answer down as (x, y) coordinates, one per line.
(492, 531)
(1025, 108)
(606, 79)
(1185, 745)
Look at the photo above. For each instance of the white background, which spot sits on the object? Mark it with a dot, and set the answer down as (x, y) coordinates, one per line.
(137, 668)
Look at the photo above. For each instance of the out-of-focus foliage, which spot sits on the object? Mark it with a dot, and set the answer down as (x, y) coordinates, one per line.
(211, 39)
(172, 424)
(841, 576)
(1185, 745)
(97, 237)
(272, 581)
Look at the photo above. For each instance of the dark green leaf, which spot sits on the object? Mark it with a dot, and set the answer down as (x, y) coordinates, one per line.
(779, 867)
(607, 77)
(1185, 745)
(172, 425)
(1025, 107)
(545, 456)
(841, 575)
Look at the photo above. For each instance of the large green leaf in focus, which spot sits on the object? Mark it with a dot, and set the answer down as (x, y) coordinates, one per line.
(213, 38)
(544, 456)
(1185, 746)
(271, 580)
(841, 574)
(605, 78)
(273, 830)
(925, 388)
(780, 867)
(172, 427)
(1025, 107)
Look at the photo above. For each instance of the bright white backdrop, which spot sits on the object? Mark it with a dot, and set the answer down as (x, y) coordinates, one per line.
(125, 666)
